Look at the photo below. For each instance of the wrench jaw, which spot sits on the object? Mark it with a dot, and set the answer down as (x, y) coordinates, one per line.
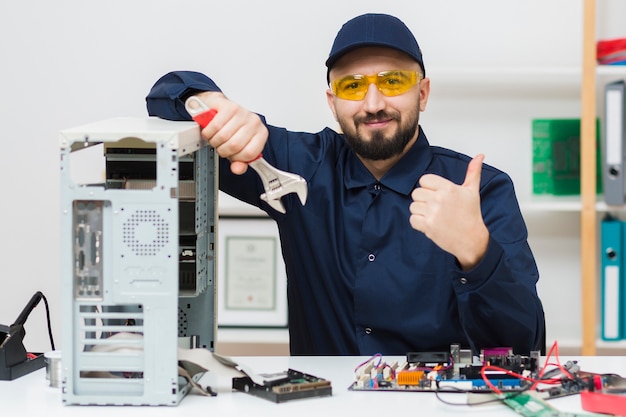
(303, 192)
(292, 184)
(278, 183)
(275, 203)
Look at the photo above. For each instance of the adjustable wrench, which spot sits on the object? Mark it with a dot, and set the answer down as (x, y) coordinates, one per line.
(277, 183)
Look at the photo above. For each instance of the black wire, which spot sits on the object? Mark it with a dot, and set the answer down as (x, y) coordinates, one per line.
(48, 319)
(458, 390)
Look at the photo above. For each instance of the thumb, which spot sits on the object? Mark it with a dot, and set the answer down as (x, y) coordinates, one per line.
(238, 167)
(474, 169)
(213, 99)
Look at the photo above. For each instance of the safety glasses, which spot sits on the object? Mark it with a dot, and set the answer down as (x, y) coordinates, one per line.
(389, 83)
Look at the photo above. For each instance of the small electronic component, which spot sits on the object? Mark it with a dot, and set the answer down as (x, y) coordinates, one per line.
(284, 386)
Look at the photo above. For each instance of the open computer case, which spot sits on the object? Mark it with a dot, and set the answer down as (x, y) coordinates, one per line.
(138, 267)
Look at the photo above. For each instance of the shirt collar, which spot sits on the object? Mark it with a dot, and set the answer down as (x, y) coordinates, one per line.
(402, 177)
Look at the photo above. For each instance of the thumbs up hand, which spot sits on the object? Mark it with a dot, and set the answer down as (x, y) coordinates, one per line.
(449, 214)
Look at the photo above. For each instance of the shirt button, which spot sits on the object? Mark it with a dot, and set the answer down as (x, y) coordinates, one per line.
(377, 187)
(371, 257)
(463, 280)
(368, 330)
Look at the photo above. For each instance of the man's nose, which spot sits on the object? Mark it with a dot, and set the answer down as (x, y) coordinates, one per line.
(374, 100)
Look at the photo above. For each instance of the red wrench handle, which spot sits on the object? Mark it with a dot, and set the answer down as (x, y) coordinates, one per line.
(204, 118)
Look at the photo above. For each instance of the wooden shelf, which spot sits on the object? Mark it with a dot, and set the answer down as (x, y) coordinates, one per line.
(548, 203)
(551, 203)
(593, 77)
(588, 215)
(611, 70)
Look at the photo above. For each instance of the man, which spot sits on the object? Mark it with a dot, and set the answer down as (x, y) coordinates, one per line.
(401, 246)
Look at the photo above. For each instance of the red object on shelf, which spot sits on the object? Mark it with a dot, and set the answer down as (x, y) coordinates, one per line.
(611, 51)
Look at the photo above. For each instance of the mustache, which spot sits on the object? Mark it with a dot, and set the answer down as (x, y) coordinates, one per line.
(374, 117)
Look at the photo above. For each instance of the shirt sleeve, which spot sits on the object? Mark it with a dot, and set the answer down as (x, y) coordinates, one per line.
(166, 98)
(498, 301)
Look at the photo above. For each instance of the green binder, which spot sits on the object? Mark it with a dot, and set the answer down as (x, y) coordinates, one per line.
(556, 156)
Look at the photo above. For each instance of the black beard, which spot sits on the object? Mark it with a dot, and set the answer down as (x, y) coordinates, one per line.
(381, 147)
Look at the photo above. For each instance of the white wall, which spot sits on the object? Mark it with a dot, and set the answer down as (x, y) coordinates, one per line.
(69, 62)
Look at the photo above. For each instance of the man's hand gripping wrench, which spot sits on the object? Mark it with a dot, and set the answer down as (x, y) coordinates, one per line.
(277, 183)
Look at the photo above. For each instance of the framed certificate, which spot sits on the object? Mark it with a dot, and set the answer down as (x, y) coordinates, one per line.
(252, 283)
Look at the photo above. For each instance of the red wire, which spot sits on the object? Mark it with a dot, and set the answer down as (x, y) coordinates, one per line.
(555, 348)
(536, 381)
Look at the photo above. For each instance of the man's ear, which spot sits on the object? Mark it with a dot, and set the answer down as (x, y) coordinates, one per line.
(330, 98)
(424, 93)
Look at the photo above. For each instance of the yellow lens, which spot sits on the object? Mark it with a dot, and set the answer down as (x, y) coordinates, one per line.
(389, 83)
(394, 83)
(352, 87)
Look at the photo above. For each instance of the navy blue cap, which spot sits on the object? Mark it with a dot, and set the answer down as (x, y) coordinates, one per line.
(374, 30)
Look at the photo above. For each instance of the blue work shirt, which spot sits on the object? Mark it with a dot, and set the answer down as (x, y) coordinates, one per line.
(361, 280)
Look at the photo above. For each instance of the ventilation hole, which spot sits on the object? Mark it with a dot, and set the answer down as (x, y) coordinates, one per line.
(182, 323)
(145, 232)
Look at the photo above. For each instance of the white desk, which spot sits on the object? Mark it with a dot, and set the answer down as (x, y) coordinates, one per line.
(31, 395)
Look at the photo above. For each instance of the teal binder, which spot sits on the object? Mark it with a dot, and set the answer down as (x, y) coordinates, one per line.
(612, 239)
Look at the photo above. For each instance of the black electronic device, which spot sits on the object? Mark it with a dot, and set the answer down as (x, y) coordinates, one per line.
(14, 360)
(284, 386)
